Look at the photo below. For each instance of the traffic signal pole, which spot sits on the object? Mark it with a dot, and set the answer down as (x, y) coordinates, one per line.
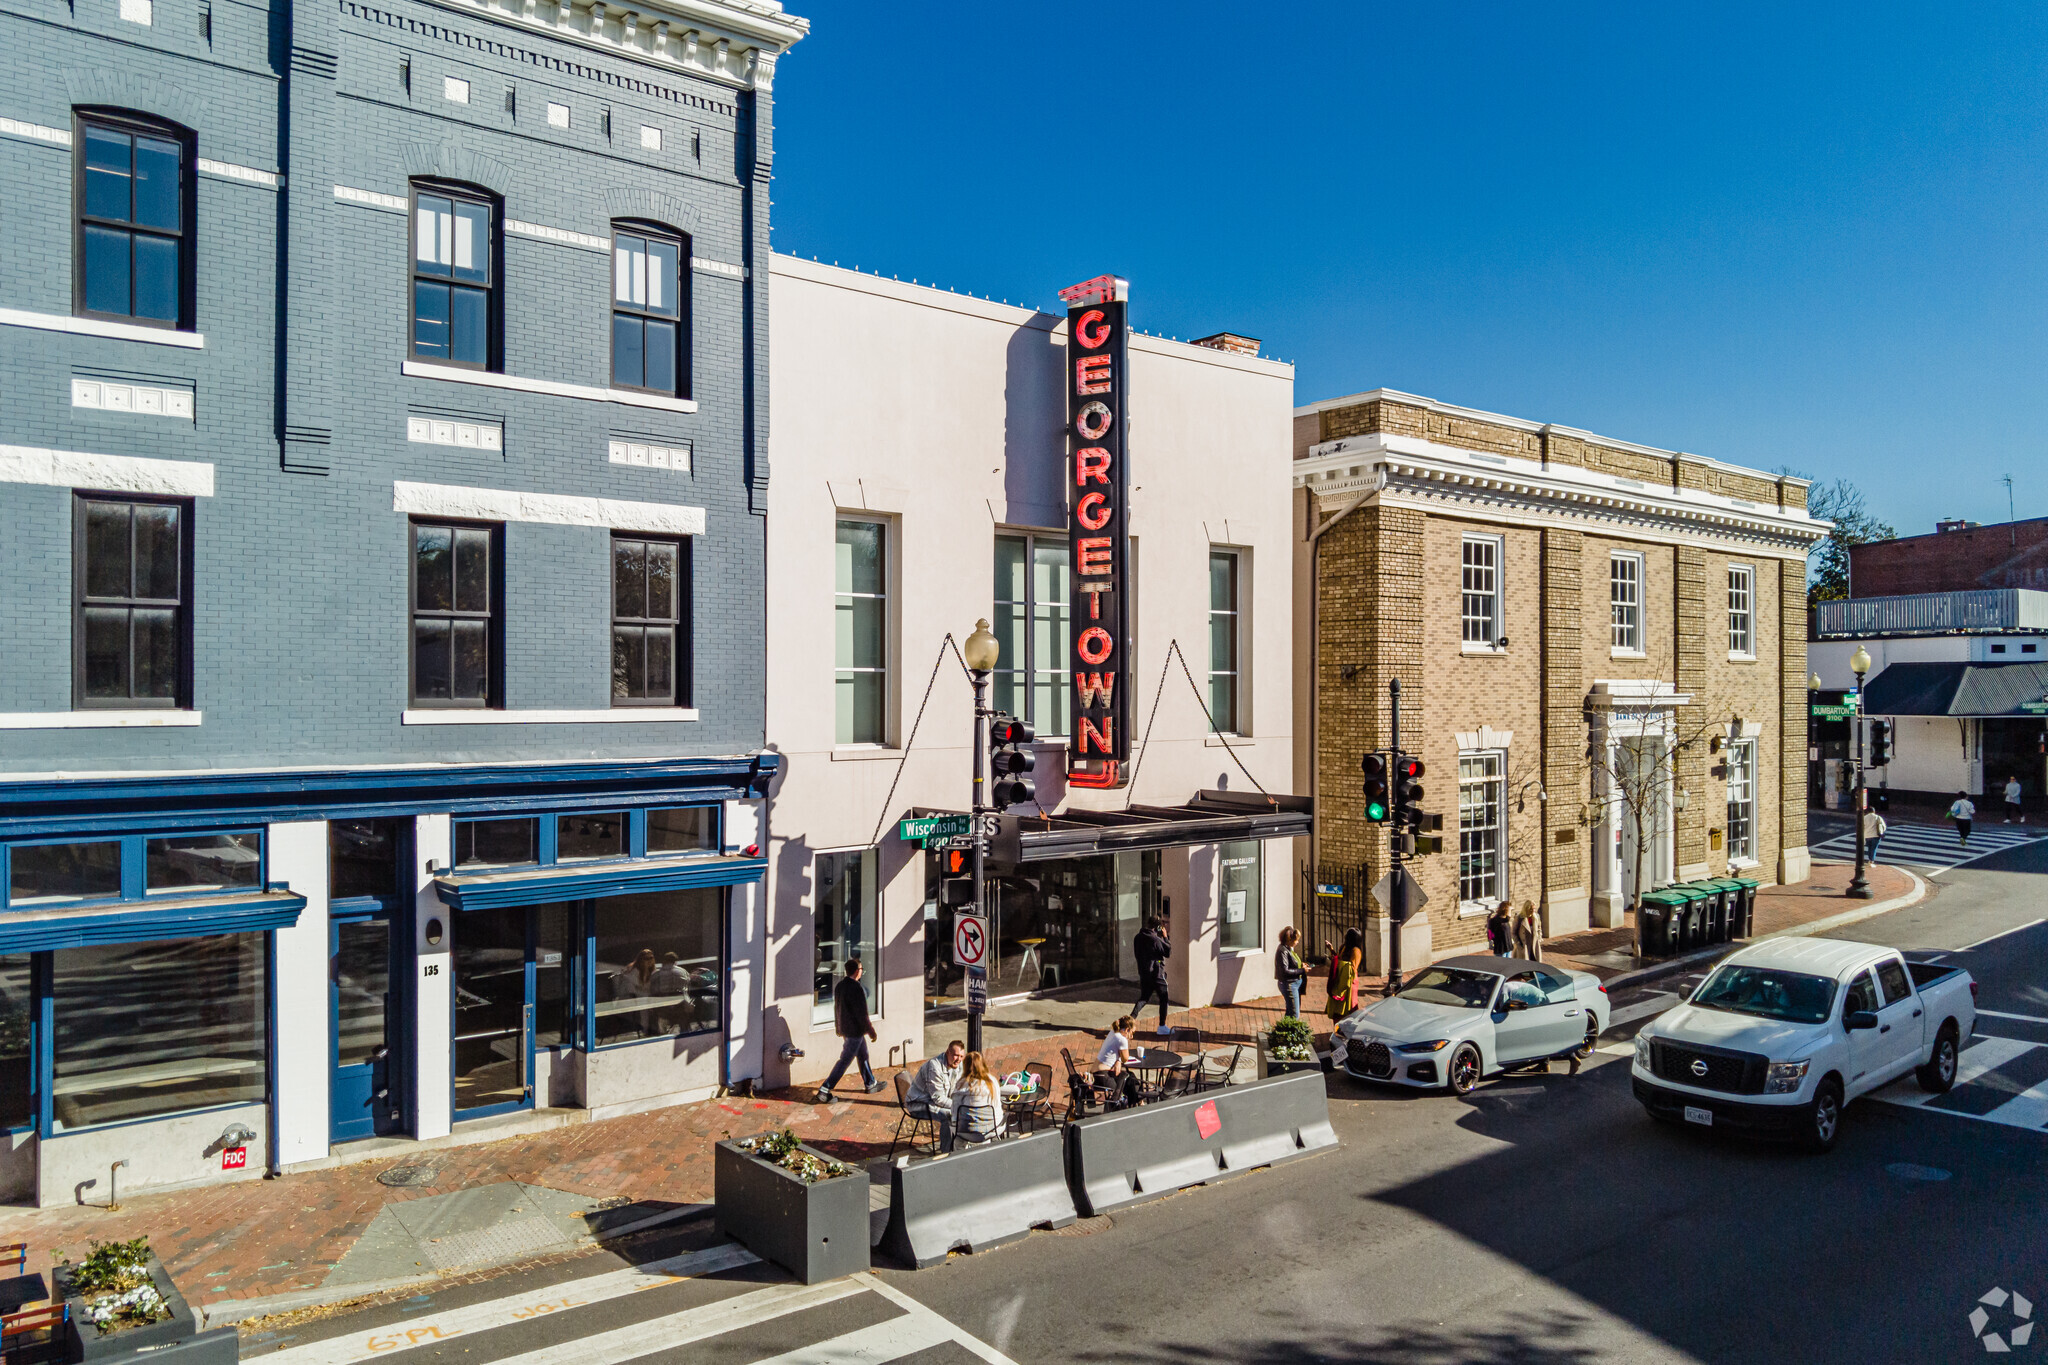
(1398, 910)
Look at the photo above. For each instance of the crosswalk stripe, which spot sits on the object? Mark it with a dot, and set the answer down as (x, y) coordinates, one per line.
(503, 1312)
(1933, 845)
(899, 1336)
(964, 1339)
(1984, 1055)
(665, 1334)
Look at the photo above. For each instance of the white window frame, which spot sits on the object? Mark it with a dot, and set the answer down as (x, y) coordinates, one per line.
(1742, 591)
(1241, 672)
(1633, 632)
(1496, 551)
(887, 627)
(1031, 667)
(1497, 778)
(1742, 758)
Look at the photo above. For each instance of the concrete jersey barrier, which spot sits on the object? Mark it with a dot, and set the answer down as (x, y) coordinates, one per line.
(1127, 1157)
(977, 1198)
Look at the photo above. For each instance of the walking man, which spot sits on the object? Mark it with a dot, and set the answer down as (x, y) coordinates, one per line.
(1963, 811)
(2012, 800)
(850, 1019)
(1152, 949)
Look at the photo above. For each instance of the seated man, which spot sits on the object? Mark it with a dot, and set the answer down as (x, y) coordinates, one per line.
(931, 1090)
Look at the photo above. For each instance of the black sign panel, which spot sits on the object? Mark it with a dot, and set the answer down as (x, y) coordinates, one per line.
(1098, 503)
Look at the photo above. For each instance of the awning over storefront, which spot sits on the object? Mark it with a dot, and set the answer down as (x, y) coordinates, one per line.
(542, 885)
(1958, 689)
(1213, 817)
(80, 926)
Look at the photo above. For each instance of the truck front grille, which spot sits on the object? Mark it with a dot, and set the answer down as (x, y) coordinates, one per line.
(1708, 1068)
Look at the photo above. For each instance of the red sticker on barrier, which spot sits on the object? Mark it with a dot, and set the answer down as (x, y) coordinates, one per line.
(1206, 1122)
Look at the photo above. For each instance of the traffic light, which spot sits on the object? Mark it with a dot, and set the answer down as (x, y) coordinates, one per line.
(1010, 762)
(1407, 782)
(1375, 766)
(1880, 743)
(956, 879)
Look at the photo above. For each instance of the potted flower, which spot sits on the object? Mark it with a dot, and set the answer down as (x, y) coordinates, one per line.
(793, 1205)
(123, 1305)
(1289, 1046)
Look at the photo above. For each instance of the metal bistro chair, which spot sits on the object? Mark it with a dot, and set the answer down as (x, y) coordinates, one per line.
(1083, 1090)
(1029, 1109)
(35, 1334)
(1186, 1078)
(1220, 1073)
(926, 1127)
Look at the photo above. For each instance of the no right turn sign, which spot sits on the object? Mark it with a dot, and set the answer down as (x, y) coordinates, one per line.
(970, 941)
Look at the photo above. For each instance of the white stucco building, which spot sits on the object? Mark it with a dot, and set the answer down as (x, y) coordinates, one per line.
(920, 473)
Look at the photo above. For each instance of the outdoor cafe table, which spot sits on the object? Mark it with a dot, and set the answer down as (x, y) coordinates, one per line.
(1156, 1061)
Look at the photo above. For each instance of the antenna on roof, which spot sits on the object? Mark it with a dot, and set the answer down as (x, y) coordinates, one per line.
(2010, 515)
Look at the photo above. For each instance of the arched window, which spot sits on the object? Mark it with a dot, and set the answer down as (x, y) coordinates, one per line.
(650, 309)
(455, 273)
(134, 210)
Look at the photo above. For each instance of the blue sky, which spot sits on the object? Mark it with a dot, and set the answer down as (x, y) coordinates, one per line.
(1779, 235)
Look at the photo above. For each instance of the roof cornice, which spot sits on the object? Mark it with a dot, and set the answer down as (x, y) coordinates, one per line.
(733, 42)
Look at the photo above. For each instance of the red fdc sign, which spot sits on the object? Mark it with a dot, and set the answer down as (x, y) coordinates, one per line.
(234, 1158)
(1098, 358)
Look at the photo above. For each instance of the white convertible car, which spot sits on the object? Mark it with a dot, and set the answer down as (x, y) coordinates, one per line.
(1467, 1017)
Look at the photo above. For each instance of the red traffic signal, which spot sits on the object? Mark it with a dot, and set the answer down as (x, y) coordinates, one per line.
(1009, 730)
(956, 862)
(1407, 781)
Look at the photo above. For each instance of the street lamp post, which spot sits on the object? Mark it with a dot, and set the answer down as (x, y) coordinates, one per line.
(982, 652)
(1859, 664)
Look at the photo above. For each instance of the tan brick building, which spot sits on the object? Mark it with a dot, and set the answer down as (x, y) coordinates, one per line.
(1602, 651)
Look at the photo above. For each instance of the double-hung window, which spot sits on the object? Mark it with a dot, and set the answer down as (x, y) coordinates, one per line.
(1625, 601)
(1031, 628)
(1741, 611)
(843, 926)
(1480, 581)
(650, 650)
(861, 633)
(132, 620)
(649, 316)
(454, 276)
(132, 221)
(1742, 800)
(1482, 876)
(1225, 642)
(455, 619)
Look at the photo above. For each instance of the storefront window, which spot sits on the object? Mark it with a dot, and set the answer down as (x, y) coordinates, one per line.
(843, 893)
(1241, 881)
(362, 858)
(599, 835)
(685, 829)
(1055, 924)
(145, 1030)
(205, 862)
(16, 1009)
(496, 843)
(658, 964)
(557, 942)
(41, 874)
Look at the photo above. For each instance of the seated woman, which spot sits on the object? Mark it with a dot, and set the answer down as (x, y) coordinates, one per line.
(1113, 1062)
(977, 1103)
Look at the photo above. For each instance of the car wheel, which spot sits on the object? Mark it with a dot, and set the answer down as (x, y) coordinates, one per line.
(1938, 1075)
(1824, 1118)
(1592, 1039)
(1464, 1070)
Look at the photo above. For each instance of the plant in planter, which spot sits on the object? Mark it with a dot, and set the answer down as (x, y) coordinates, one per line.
(115, 1282)
(793, 1205)
(786, 1150)
(1289, 1046)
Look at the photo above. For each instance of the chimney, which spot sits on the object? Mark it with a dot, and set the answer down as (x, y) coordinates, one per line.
(1230, 341)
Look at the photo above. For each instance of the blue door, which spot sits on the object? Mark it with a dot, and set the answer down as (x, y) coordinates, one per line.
(362, 1101)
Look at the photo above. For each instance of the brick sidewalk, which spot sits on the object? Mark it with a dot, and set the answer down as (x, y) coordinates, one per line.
(266, 1237)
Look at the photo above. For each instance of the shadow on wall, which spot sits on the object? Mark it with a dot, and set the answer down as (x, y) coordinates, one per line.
(1034, 420)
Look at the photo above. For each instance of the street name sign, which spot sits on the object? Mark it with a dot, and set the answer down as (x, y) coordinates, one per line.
(928, 827)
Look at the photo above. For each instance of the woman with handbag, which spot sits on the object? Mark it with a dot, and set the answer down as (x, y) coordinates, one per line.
(1342, 982)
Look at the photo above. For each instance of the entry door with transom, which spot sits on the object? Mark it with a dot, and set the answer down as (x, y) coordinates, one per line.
(362, 1099)
(511, 993)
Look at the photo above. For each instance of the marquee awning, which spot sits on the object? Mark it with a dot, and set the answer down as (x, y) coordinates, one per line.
(82, 926)
(542, 885)
(1213, 817)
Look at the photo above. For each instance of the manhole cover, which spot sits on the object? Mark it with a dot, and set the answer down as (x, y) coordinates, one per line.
(408, 1177)
(1081, 1227)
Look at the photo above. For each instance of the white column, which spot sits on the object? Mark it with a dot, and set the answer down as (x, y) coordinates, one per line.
(434, 979)
(304, 1064)
(747, 933)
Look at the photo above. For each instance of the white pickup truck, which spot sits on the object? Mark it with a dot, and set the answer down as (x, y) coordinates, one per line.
(1782, 1034)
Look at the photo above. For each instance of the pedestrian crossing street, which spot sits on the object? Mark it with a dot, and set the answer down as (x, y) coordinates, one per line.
(1998, 1080)
(1935, 847)
(856, 1319)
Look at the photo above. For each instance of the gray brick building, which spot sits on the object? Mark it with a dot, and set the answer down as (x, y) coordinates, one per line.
(381, 519)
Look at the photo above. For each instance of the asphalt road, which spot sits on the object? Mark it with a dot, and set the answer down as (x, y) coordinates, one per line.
(1541, 1219)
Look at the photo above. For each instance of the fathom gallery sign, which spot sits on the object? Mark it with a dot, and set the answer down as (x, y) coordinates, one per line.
(1098, 503)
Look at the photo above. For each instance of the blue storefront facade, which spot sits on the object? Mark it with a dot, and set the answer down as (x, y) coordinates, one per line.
(381, 498)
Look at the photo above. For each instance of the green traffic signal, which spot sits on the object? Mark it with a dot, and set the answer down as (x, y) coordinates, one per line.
(1375, 769)
(1375, 811)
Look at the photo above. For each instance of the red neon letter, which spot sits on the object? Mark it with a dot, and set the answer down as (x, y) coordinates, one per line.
(1085, 513)
(1090, 330)
(1092, 686)
(1094, 645)
(1100, 734)
(1093, 420)
(1091, 374)
(1094, 558)
(1091, 462)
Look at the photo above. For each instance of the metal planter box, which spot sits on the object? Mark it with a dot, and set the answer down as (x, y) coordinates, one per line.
(816, 1231)
(1269, 1065)
(177, 1337)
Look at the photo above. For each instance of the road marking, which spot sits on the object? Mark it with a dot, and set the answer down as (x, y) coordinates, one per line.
(1627, 1049)
(909, 1305)
(1986, 1053)
(665, 1334)
(2023, 1018)
(1643, 1009)
(1932, 847)
(2002, 933)
(478, 1317)
(898, 1336)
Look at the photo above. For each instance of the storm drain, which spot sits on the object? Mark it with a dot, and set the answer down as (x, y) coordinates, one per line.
(409, 1177)
(1081, 1227)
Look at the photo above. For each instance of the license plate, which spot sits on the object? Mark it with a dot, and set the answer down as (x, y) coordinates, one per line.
(1704, 1117)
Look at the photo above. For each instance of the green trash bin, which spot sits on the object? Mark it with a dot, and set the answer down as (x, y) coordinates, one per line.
(1742, 919)
(1660, 917)
(1693, 926)
(1727, 892)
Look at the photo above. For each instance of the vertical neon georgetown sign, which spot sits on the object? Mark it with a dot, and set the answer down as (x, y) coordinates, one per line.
(1098, 501)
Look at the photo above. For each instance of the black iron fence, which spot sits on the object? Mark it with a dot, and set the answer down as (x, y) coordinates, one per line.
(1333, 900)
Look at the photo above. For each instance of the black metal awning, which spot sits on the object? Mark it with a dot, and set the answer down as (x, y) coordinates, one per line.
(1213, 817)
(1958, 689)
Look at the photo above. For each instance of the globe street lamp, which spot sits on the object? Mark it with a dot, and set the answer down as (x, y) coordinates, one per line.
(983, 652)
(1859, 664)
